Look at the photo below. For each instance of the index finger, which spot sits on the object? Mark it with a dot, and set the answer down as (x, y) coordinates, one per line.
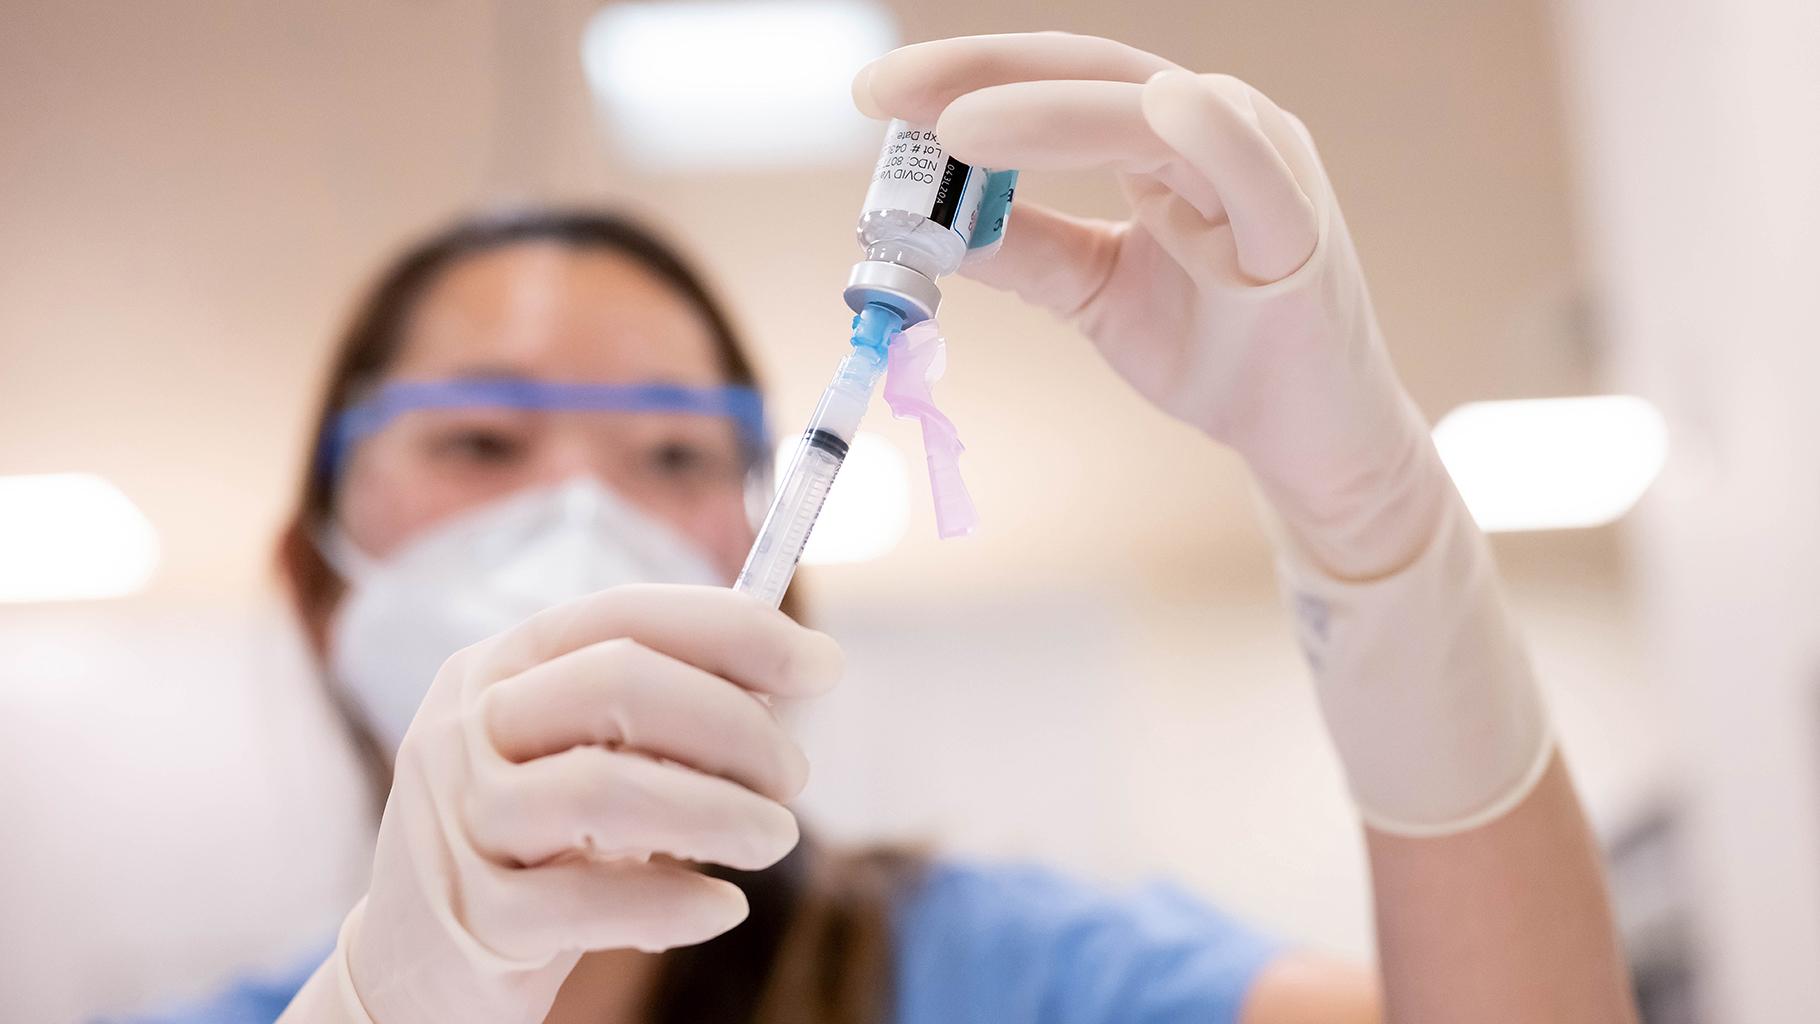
(917, 82)
(729, 634)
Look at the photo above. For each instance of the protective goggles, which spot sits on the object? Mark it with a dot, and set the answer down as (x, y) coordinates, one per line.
(362, 420)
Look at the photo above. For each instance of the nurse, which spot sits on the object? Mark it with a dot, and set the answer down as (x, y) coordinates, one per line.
(547, 415)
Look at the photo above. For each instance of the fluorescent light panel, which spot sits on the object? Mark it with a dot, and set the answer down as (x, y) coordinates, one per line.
(71, 537)
(702, 84)
(1552, 463)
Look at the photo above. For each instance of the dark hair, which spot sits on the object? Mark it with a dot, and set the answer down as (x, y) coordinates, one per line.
(816, 947)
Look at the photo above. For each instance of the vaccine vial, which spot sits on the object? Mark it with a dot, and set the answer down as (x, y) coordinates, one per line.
(921, 206)
(923, 212)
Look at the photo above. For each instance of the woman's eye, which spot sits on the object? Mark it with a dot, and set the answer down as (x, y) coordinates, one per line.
(678, 458)
(480, 445)
(685, 460)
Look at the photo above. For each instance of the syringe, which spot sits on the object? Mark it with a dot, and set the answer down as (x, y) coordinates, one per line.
(818, 458)
(923, 213)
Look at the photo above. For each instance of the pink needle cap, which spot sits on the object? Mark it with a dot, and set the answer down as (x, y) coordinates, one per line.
(915, 361)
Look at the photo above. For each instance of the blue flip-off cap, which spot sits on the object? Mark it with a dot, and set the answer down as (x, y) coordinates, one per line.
(995, 209)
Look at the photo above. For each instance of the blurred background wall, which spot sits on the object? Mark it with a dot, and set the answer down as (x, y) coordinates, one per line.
(192, 192)
(1699, 147)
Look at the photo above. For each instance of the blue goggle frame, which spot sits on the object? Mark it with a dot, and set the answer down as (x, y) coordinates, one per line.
(363, 419)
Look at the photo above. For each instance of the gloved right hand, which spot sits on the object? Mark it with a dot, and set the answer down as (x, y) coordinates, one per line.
(546, 768)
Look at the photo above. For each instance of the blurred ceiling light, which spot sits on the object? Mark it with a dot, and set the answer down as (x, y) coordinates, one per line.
(71, 537)
(734, 84)
(868, 509)
(1552, 463)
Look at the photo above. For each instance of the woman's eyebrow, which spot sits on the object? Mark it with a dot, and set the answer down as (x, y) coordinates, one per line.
(506, 371)
(490, 371)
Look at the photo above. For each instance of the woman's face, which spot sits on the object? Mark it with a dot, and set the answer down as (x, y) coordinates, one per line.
(547, 312)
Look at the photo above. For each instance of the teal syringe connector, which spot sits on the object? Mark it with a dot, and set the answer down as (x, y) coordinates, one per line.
(804, 488)
(874, 325)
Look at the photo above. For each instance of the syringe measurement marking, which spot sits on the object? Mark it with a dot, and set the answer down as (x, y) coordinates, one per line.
(798, 536)
(814, 495)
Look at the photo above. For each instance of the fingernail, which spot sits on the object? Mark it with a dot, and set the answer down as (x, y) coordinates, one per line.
(1168, 73)
(862, 93)
(823, 662)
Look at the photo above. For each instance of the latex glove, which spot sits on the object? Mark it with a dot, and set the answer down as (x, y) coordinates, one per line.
(546, 783)
(1233, 299)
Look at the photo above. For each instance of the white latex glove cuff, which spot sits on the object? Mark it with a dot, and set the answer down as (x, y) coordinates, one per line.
(1423, 681)
(329, 996)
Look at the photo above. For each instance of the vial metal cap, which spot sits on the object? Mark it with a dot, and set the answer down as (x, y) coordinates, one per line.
(896, 287)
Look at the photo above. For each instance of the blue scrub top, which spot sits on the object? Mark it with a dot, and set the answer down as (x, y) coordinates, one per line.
(1005, 944)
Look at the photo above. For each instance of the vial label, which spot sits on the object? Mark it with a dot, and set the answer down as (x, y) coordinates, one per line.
(915, 174)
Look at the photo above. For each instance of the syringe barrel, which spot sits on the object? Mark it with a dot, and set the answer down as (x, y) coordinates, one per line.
(785, 532)
(804, 488)
(844, 403)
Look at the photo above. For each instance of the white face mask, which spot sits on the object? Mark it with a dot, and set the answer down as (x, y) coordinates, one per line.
(482, 573)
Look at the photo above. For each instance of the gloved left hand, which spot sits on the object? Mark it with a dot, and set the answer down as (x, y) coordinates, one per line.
(1233, 299)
